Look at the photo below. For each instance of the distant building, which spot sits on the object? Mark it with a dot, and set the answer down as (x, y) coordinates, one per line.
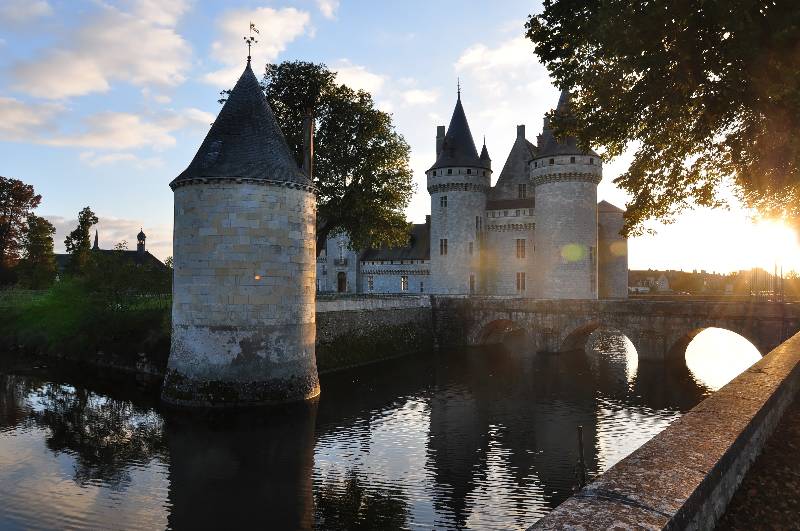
(141, 256)
(538, 232)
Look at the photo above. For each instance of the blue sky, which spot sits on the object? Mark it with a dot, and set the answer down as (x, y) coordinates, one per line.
(104, 103)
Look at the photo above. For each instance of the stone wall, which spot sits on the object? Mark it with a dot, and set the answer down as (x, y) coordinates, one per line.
(387, 276)
(685, 476)
(612, 256)
(503, 228)
(359, 330)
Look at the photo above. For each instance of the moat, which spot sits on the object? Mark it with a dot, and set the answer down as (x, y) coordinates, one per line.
(479, 438)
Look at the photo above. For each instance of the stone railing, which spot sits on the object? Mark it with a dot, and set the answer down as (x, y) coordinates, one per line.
(685, 476)
(338, 303)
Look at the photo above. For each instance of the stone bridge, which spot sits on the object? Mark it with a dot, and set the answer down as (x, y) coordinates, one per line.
(660, 330)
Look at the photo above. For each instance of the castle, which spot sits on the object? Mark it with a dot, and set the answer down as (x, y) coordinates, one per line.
(538, 232)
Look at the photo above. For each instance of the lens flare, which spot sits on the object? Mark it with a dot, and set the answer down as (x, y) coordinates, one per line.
(573, 252)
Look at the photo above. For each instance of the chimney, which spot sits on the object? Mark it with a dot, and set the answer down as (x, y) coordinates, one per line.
(521, 131)
(439, 140)
(308, 144)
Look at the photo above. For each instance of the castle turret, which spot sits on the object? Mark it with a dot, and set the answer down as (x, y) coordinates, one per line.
(140, 239)
(243, 317)
(565, 179)
(612, 255)
(457, 182)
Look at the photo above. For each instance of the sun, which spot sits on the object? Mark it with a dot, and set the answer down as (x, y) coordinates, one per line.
(774, 244)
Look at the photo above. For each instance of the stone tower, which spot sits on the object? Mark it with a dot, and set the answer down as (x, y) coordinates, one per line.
(243, 317)
(565, 179)
(612, 254)
(140, 239)
(458, 183)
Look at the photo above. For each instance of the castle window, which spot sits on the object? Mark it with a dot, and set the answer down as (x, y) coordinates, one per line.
(516, 213)
(505, 213)
(324, 269)
(443, 201)
(591, 160)
(572, 160)
(478, 223)
(404, 283)
(552, 161)
(470, 247)
(472, 283)
(520, 247)
(484, 173)
(370, 283)
(469, 171)
(521, 281)
(449, 171)
(522, 190)
(443, 247)
(535, 164)
(422, 287)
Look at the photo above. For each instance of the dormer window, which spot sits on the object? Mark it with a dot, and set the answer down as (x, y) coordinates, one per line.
(469, 171)
(572, 160)
(552, 161)
(449, 171)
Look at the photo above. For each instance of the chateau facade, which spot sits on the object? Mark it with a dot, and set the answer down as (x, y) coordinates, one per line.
(538, 232)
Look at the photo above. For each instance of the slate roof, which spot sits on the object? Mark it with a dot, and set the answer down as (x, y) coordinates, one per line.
(549, 146)
(458, 148)
(501, 204)
(605, 206)
(145, 258)
(245, 141)
(418, 248)
(515, 170)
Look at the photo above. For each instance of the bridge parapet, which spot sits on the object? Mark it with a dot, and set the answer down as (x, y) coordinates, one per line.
(658, 329)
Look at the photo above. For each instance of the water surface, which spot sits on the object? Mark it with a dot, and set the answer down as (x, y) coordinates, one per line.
(479, 438)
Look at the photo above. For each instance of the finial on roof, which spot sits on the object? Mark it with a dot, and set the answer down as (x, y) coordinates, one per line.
(459, 87)
(96, 244)
(250, 40)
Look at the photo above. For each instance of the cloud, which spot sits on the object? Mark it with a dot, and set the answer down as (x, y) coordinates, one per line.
(139, 47)
(420, 97)
(94, 160)
(13, 12)
(112, 231)
(358, 77)
(277, 27)
(328, 8)
(23, 121)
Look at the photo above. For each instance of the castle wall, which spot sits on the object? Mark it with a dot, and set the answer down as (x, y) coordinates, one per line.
(612, 277)
(387, 276)
(337, 258)
(503, 228)
(243, 317)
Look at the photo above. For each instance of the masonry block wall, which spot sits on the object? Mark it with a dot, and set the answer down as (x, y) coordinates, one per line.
(503, 261)
(612, 277)
(243, 309)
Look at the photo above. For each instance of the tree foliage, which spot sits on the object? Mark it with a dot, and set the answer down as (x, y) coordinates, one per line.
(361, 164)
(17, 201)
(78, 242)
(37, 270)
(708, 93)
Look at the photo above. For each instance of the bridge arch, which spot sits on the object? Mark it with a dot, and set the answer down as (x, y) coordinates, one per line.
(678, 343)
(496, 331)
(574, 337)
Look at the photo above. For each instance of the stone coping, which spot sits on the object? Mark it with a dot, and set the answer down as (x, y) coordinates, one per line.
(684, 477)
(372, 303)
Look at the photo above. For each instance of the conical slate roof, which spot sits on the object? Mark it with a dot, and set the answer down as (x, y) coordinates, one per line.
(245, 141)
(549, 146)
(485, 154)
(515, 170)
(458, 148)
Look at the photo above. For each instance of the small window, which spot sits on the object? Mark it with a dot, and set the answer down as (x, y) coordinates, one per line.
(478, 223)
(443, 201)
(505, 213)
(422, 287)
(443, 247)
(572, 160)
(472, 283)
(449, 171)
(370, 283)
(535, 164)
(521, 281)
(522, 191)
(324, 269)
(552, 161)
(470, 247)
(520, 247)
(591, 160)
(404, 283)
(469, 171)
(516, 213)
(484, 173)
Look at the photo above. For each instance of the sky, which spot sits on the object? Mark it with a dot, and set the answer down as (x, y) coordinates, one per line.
(103, 103)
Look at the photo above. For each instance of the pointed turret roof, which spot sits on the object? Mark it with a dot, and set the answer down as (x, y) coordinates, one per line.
(515, 170)
(245, 141)
(458, 148)
(549, 145)
(485, 154)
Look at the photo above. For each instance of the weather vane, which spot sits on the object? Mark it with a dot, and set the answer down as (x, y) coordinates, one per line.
(251, 40)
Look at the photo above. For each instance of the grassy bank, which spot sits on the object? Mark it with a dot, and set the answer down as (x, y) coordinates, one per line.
(69, 321)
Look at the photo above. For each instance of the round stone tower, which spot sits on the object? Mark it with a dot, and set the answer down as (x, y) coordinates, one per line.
(565, 237)
(243, 314)
(458, 183)
(612, 256)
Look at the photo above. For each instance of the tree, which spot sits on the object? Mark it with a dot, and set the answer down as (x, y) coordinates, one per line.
(78, 242)
(38, 265)
(17, 201)
(707, 92)
(361, 164)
